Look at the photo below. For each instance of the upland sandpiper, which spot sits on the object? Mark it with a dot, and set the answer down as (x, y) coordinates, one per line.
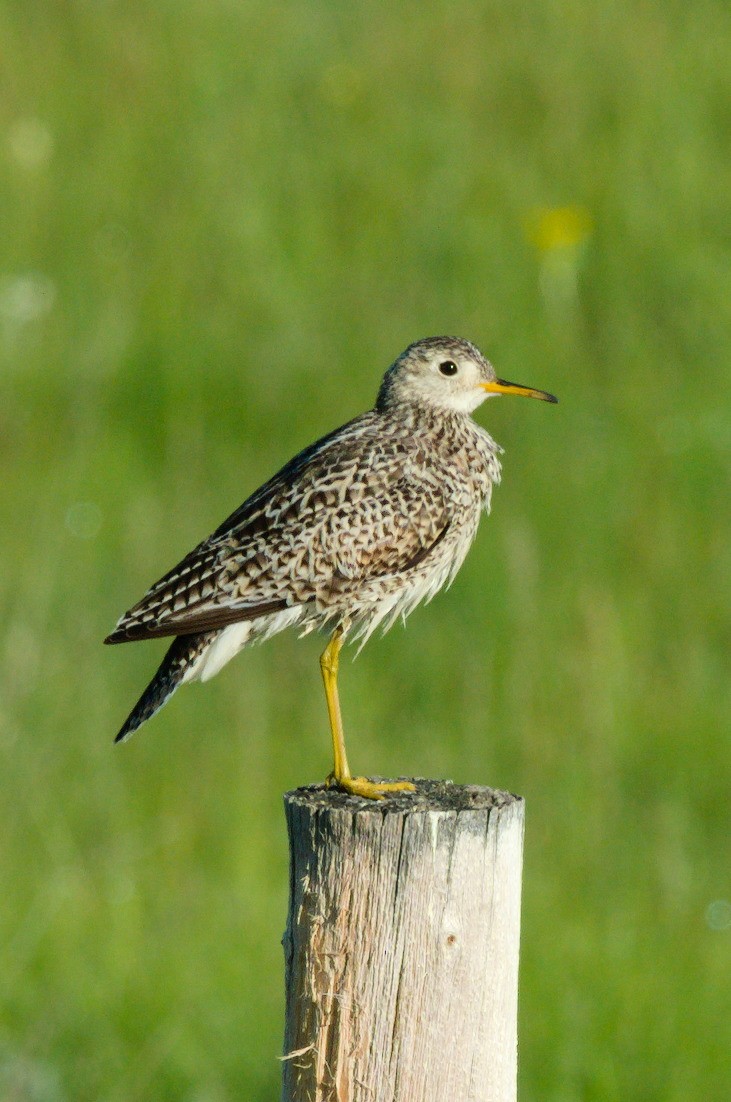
(352, 533)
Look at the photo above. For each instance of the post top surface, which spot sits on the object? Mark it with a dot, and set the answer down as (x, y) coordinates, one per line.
(430, 795)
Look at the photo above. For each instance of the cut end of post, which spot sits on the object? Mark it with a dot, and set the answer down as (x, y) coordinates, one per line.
(430, 795)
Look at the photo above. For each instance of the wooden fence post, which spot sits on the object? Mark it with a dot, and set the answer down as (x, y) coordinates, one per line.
(401, 947)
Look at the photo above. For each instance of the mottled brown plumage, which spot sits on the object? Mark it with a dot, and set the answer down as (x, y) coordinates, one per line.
(354, 531)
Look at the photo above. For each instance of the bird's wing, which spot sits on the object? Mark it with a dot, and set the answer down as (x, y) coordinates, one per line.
(287, 485)
(199, 593)
(191, 598)
(327, 517)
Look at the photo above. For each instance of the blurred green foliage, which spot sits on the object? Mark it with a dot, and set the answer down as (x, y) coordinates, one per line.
(220, 222)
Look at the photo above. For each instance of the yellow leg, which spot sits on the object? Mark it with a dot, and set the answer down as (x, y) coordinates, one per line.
(341, 775)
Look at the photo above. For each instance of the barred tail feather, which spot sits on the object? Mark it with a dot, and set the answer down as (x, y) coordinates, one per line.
(177, 666)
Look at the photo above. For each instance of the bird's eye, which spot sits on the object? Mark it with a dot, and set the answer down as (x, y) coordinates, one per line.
(448, 367)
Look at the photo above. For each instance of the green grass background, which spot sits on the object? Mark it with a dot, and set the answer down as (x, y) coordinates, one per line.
(220, 223)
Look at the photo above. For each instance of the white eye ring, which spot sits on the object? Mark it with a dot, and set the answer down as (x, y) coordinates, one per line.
(448, 367)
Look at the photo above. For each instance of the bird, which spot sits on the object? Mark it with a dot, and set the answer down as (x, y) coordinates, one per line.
(352, 533)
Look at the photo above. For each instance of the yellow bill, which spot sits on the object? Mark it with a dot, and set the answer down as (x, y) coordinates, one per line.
(500, 386)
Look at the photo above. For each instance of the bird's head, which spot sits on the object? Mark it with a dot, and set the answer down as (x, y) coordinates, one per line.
(448, 374)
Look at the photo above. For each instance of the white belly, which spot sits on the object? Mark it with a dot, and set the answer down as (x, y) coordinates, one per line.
(230, 640)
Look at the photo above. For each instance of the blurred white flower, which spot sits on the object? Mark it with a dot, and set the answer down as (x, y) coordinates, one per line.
(84, 519)
(25, 298)
(29, 143)
(718, 915)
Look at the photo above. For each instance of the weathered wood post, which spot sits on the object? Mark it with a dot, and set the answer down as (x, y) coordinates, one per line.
(401, 947)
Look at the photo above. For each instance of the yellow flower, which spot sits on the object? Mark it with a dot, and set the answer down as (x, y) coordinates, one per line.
(553, 228)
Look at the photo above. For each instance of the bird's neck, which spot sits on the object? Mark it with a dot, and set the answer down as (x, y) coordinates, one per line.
(446, 424)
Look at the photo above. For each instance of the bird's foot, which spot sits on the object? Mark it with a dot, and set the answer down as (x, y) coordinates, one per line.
(369, 790)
